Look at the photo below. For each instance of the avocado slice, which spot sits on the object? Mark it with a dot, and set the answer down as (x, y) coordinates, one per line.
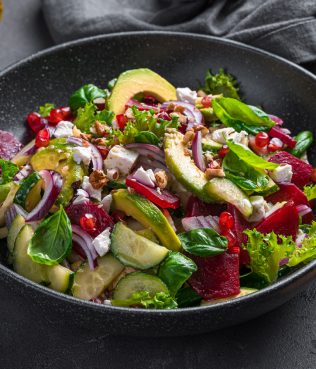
(135, 81)
(58, 157)
(183, 167)
(210, 145)
(225, 190)
(208, 114)
(148, 215)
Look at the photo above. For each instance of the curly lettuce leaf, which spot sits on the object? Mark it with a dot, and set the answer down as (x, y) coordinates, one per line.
(88, 115)
(310, 192)
(266, 252)
(8, 171)
(160, 300)
(221, 83)
(45, 109)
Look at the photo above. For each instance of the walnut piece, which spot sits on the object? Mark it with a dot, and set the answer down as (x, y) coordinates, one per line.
(161, 178)
(98, 179)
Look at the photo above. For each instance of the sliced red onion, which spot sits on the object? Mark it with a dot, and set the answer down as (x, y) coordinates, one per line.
(86, 237)
(23, 173)
(190, 223)
(84, 247)
(283, 261)
(147, 163)
(74, 140)
(53, 183)
(197, 151)
(97, 161)
(303, 210)
(10, 214)
(27, 150)
(276, 119)
(194, 115)
(148, 150)
(213, 222)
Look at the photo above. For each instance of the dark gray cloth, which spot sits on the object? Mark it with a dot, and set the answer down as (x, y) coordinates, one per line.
(284, 27)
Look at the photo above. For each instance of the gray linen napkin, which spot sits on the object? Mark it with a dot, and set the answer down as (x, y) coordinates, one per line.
(284, 27)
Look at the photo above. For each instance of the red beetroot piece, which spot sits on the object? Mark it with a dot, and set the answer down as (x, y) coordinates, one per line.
(196, 207)
(217, 276)
(287, 192)
(283, 221)
(9, 145)
(277, 132)
(102, 218)
(301, 170)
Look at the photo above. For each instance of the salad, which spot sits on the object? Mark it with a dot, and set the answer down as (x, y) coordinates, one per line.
(145, 195)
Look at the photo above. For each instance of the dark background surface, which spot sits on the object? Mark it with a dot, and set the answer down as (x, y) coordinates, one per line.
(284, 338)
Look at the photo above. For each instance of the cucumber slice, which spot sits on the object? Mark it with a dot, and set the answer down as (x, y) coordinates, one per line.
(134, 250)
(137, 282)
(61, 278)
(16, 226)
(89, 284)
(25, 187)
(7, 203)
(22, 263)
(149, 234)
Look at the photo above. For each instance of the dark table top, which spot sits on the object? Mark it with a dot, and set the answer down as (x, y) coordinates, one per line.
(283, 339)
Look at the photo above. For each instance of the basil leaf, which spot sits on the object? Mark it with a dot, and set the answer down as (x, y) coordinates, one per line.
(175, 270)
(203, 242)
(85, 95)
(8, 171)
(187, 297)
(240, 116)
(147, 137)
(111, 84)
(52, 239)
(45, 109)
(244, 175)
(250, 157)
(303, 142)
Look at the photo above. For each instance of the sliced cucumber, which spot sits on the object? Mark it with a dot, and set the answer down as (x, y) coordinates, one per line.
(22, 263)
(89, 284)
(135, 250)
(149, 234)
(4, 190)
(26, 186)
(136, 282)
(16, 226)
(209, 144)
(61, 278)
(7, 203)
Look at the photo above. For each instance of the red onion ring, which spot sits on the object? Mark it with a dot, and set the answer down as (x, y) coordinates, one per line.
(197, 151)
(82, 244)
(193, 113)
(303, 210)
(23, 173)
(150, 151)
(86, 237)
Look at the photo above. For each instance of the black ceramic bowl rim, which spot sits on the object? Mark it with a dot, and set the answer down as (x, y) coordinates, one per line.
(308, 271)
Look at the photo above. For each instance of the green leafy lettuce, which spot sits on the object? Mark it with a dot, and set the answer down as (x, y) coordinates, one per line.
(84, 95)
(45, 109)
(160, 300)
(88, 115)
(8, 171)
(187, 297)
(307, 251)
(266, 251)
(221, 83)
(240, 116)
(310, 192)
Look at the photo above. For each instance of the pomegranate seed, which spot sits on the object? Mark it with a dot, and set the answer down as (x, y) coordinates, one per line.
(36, 122)
(121, 121)
(275, 145)
(163, 115)
(223, 151)
(103, 151)
(55, 116)
(66, 113)
(118, 216)
(262, 139)
(99, 102)
(42, 138)
(206, 101)
(231, 238)
(313, 175)
(88, 223)
(226, 221)
(150, 100)
(235, 250)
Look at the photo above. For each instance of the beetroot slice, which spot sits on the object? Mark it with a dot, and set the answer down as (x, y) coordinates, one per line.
(196, 207)
(9, 145)
(288, 192)
(301, 170)
(103, 219)
(216, 277)
(283, 221)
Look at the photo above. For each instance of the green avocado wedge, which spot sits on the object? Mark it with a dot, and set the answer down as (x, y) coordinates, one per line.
(148, 214)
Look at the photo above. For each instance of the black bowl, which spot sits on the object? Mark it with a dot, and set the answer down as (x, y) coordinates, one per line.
(281, 87)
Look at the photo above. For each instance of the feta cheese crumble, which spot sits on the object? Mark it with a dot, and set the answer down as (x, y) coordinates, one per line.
(146, 177)
(259, 206)
(121, 158)
(186, 94)
(82, 154)
(106, 202)
(223, 134)
(63, 129)
(102, 242)
(87, 186)
(81, 198)
(283, 173)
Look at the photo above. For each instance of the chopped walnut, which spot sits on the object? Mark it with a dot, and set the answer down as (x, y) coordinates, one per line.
(182, 119)
(187, 152)
(161, 178)
(188, 137)
(98, 179)
(179, 109)
(77, 133)
(204, 130)
(99, 141)
(201, 93)
(211, 173)
(101, 129)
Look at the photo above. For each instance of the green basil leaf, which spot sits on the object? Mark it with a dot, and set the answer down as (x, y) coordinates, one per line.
(303, 142)
(175, 270)
(8, 171)
(203, 242)
(111, 84)
(187, 297)
(250, 157)
(240, 116)
(244, 175)
(45, 109)
(147, 137)
(85, 95)
(52, 239)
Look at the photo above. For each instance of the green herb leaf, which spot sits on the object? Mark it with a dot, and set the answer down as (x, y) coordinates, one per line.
(249, 157)
(147, 137)
(8, 171)
(175, 270)
(244, 175)
(203, 242)
(52, 239)
(88, 115)
(266, 251)
(111, 84)
(45, 109)
(303, 142)
(187, 297)
(307, 251)
(221, 83)
(240, 116)
(85, 95)
(160, 300)
(310, 192)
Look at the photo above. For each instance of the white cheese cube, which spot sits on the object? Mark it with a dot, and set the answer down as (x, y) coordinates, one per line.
(121, 158)
(186, 94)
(259, 206)
(222, 134)
(63, 129)
(82, 154)
(102, 242)
(283, 173)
